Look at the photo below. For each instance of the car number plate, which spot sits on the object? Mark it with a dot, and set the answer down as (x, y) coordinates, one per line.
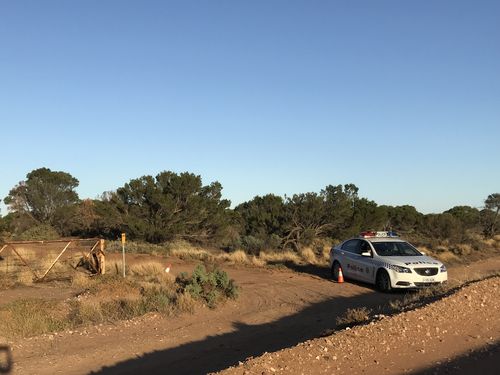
(428, 280)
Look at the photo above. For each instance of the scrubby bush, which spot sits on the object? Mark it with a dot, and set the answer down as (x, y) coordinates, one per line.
(208, 286)
(354, 316)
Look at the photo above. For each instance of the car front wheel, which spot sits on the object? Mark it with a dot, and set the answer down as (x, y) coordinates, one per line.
(383, 281)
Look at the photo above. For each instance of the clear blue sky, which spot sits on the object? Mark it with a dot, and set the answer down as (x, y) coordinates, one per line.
(401, 98)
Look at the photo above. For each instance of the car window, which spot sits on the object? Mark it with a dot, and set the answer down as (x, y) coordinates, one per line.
(365, 247)
(351, 246)
(395, 249)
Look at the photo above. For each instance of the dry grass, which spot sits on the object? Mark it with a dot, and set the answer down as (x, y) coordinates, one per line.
(354, 317)
(105, 289)
(257, 262)
(28, 317)
(27, 254)
(184, 250)
(325, 254)
(417, 298)
(463, 249)
(114, 267)
(442, 253)
(5, 281)
(185, 302)
(237, 257)
(308, 255)
(14, 269)
(446, 257)
(146, 268)
(192, 254)
(109, 298)
(490, 242)
(280, 257)
(151, 272)
(81, 280)
(24, 277)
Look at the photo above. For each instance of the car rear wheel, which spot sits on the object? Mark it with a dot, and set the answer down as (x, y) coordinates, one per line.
(335, 270)
(383, 281)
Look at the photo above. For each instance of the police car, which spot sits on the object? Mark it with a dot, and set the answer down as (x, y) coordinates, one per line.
(383, 259)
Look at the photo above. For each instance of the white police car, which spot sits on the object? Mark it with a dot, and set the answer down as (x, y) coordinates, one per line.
(383, 259)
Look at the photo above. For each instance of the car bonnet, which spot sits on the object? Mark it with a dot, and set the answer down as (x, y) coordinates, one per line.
(412, 261)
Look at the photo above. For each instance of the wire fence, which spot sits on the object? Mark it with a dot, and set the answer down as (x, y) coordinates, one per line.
(49, 260)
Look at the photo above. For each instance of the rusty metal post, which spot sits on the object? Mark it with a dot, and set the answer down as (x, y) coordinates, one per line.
(102, 258)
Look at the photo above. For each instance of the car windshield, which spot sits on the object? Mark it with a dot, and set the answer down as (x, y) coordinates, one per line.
(389, 249)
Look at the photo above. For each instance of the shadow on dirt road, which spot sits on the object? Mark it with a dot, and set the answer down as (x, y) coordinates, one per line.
(323, 272)
(310, 269)
(485, 361)
(219, 352)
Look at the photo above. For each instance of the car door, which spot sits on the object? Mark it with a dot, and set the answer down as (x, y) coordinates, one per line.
(362, 265)
(350, 250)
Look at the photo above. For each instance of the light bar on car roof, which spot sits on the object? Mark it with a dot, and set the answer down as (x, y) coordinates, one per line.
(371, 233)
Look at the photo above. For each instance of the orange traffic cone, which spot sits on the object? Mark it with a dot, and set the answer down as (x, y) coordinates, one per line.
(167, 270)
(340, 278)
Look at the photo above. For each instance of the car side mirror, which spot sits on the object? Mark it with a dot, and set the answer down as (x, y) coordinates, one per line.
(366, 254)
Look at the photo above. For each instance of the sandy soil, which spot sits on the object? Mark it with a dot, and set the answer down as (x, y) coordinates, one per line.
(277, 309)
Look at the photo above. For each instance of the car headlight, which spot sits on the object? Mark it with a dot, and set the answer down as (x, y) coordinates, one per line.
(400, 269)
(443, 268)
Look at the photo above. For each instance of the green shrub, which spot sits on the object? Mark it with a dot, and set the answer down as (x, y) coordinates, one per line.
(209, 287)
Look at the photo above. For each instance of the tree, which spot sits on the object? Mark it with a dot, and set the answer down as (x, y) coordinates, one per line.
(403, 218)
(309, 219)
(45, 197)
(171, 206)
(492, 204)
(443, 226)
(327, 214)
(368, 216)
(469, 216)
(340, 202)
(263, 221)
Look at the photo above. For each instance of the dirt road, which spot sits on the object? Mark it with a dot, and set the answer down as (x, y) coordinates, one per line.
(277, 309)
(459, 334)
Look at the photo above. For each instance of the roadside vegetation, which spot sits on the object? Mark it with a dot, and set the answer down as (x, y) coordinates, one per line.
(110, 298)
(176, 214)
(172, 207)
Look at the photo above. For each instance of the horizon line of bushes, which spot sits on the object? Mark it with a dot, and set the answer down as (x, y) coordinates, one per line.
(172, 206)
